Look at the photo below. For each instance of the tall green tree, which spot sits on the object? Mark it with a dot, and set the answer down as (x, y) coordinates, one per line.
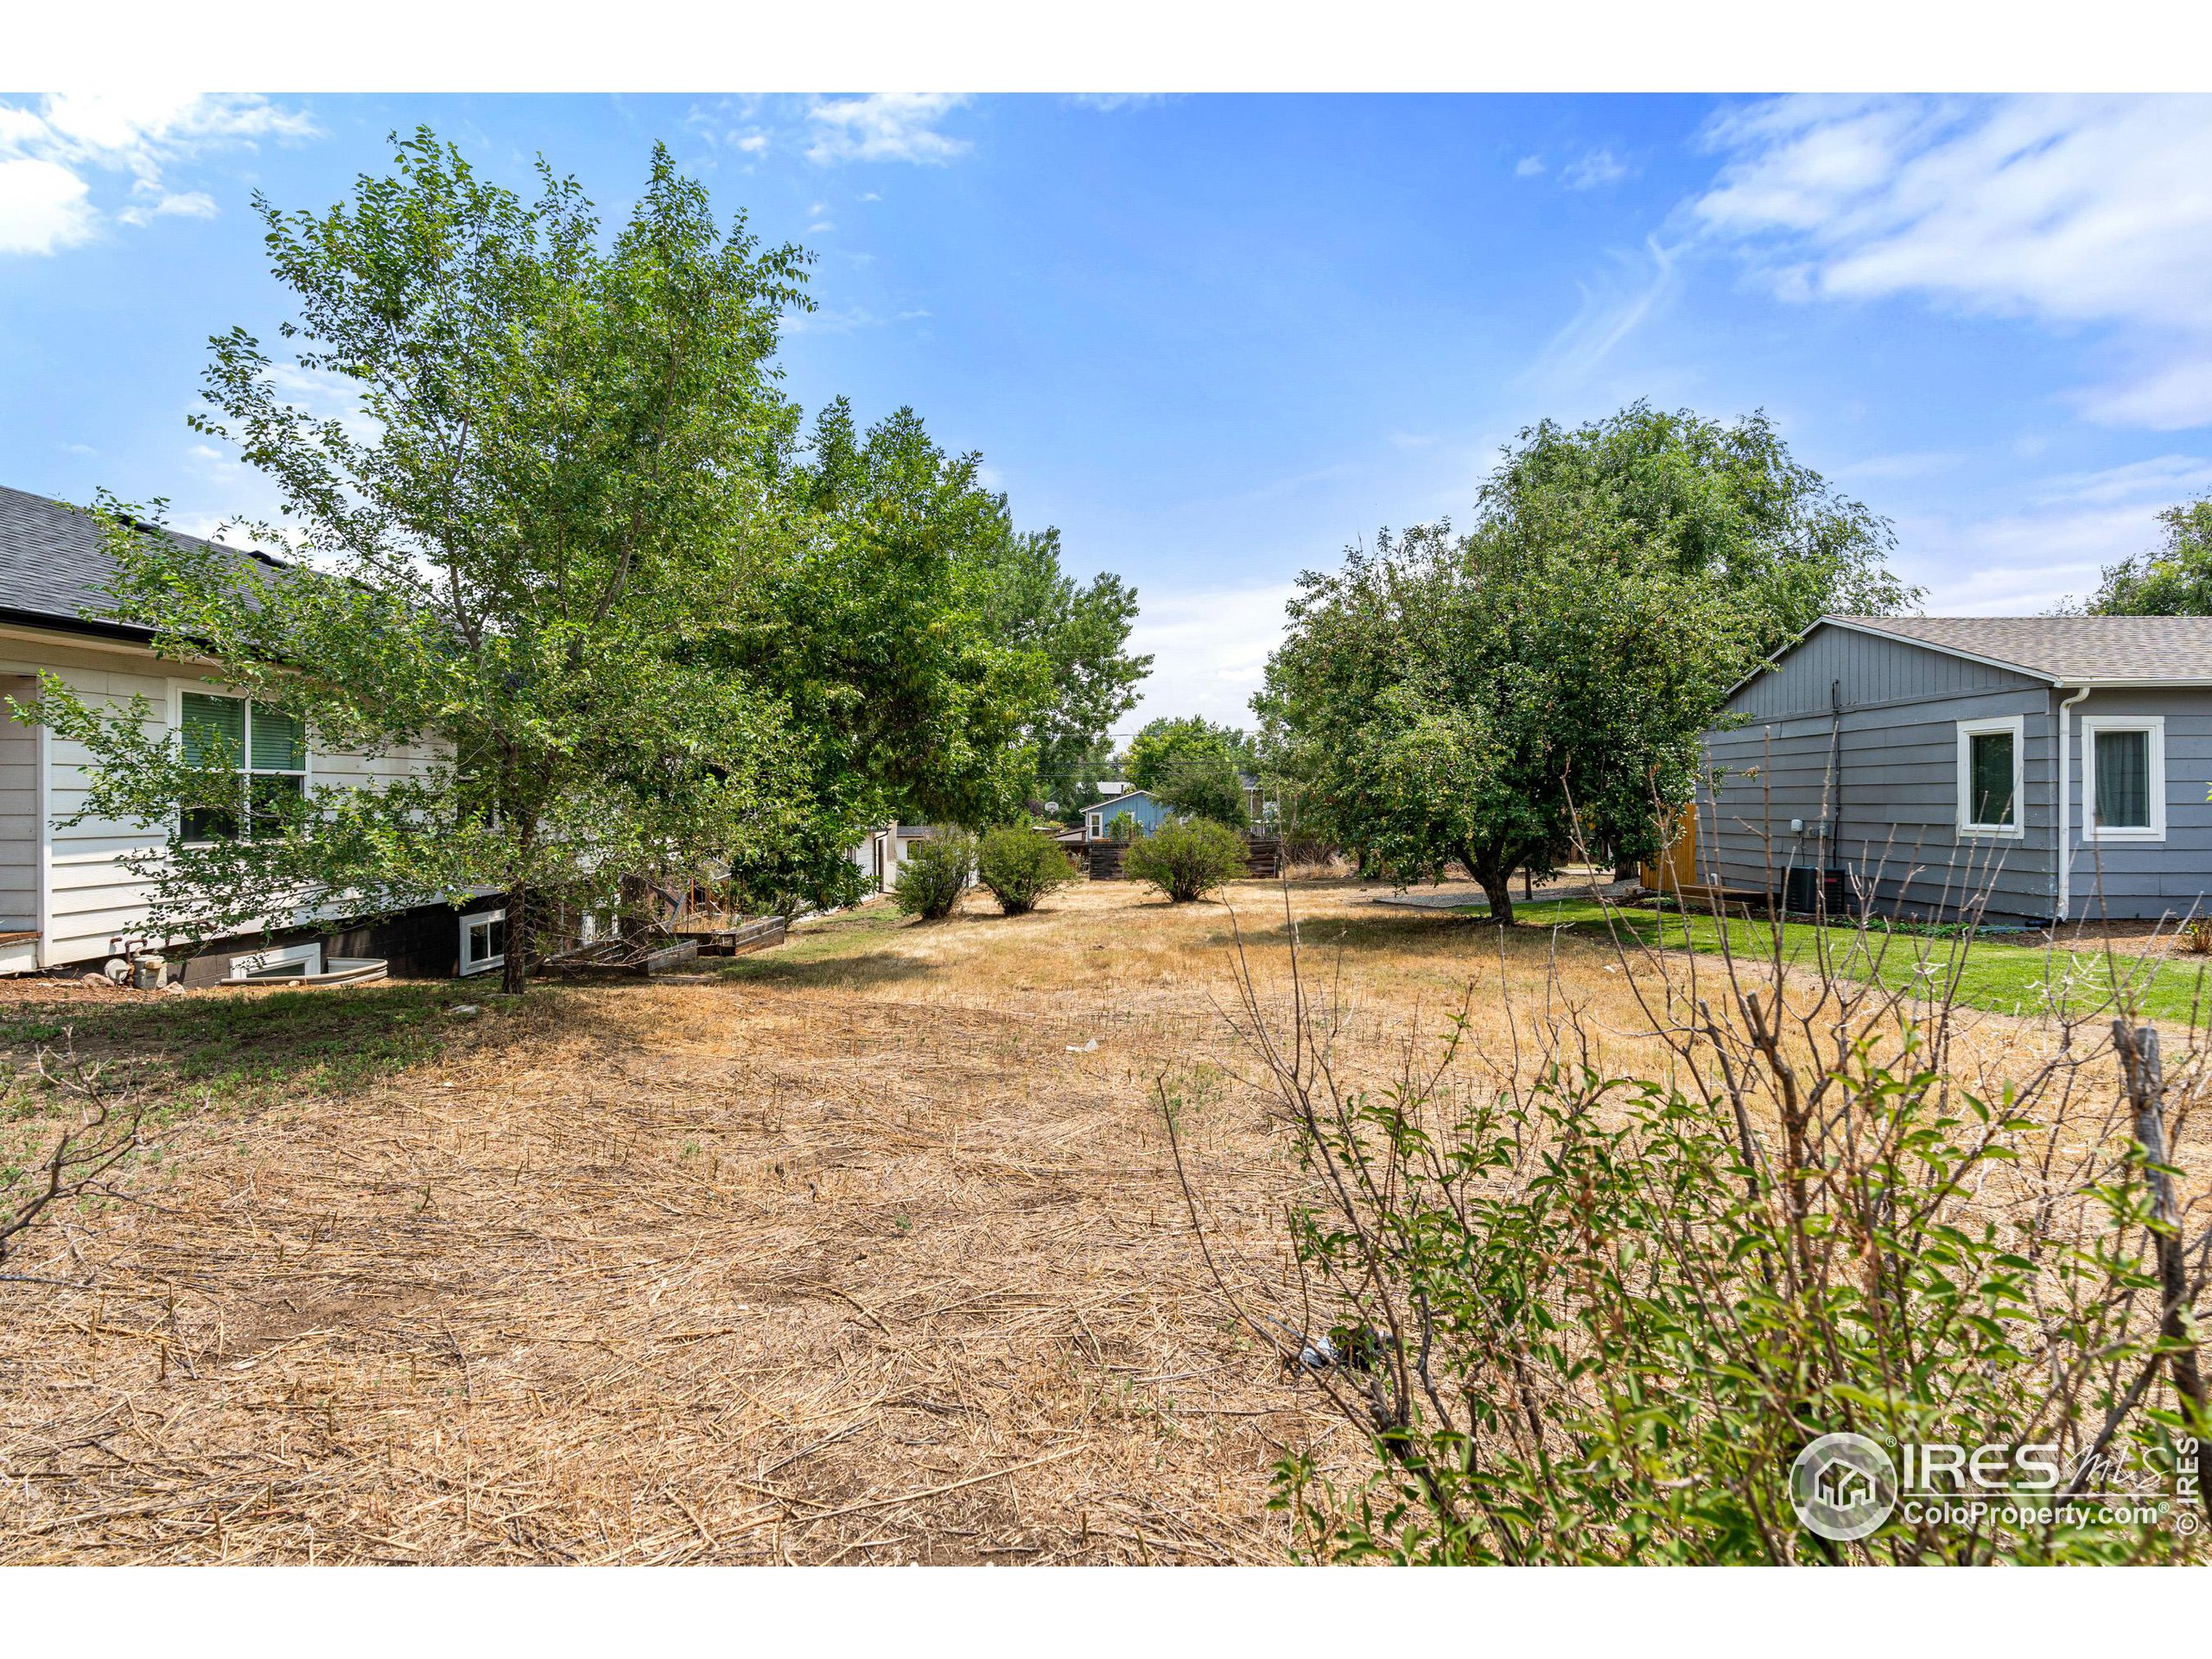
(945, 666)
(1537, 685)
(2174, 580)
(867, 622)
(1083, 632)
(563, 465)
(1724, 503)
(1194, 766)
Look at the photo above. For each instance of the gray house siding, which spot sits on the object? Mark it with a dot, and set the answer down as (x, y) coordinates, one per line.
(1884, 771)
(2149, 879)
(1874, 671)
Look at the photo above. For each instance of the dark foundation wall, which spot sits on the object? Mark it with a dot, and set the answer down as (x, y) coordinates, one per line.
(420, 944)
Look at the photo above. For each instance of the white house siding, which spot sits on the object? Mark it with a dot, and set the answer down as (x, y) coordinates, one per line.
(93, 904)
(19, 847)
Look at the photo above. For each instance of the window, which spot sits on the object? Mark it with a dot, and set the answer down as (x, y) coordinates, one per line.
(286, 962)
(483, 942)
(2123, 778)
(1990, 753)
(269, 750)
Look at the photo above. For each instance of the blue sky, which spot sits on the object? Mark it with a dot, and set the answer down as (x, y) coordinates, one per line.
(1216, 338)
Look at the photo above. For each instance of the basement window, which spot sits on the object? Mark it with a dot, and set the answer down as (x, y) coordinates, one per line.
(1991, 755)
(2123, 778)
(266, 747)
(483, 942)
(282, 961)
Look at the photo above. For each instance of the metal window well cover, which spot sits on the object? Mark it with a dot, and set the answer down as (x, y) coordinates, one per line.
(336, 970)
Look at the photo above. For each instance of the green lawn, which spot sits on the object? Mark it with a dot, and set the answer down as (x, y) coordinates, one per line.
(1991, 974)
(248, 1048)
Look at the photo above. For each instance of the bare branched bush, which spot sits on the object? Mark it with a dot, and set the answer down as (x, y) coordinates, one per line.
(1581, 1315)
(102, 1134)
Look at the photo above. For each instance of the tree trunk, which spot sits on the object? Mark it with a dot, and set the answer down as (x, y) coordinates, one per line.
(514, 978)
(1497, 879)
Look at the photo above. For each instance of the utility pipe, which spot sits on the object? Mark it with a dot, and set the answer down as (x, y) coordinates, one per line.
(2066, 801)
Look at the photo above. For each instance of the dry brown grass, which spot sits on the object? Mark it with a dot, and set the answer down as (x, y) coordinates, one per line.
(855, 1251)
(842, 1256)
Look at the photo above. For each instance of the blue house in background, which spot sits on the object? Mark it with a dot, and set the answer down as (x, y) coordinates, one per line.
(1143, 804)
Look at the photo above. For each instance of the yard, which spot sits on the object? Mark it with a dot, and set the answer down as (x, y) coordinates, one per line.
(869, 1249)
(866, 1249)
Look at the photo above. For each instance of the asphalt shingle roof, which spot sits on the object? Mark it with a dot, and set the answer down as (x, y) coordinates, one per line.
(2067, 650)
(54, 567)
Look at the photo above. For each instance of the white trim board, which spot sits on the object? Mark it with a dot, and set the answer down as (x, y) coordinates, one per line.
(2016, 726)
(2156, 725)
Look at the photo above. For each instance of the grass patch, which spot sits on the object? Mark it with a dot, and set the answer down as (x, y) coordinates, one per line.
(831, 949)
(246, 1048)
(1992, 975)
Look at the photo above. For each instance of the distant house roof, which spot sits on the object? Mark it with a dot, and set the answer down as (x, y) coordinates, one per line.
(1127, 795)
(55, 566)
(2064, 649)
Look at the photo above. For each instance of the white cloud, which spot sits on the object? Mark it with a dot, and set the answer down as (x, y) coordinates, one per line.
(1916, 463)
(2019, 564)
(2170, 398)
(1528, 167)
(1612, 310)
(2063, 211)
(43, 207)
(190, 203)
(46, 155)
(885, 127)
(1108, 102)
(1210, 650)
(1598, 167)
(2161, 479)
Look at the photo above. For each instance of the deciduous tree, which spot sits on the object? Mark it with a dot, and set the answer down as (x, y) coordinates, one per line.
(558, 462)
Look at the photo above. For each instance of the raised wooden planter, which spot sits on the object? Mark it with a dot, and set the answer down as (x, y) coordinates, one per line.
(757, 935)
(619, 959)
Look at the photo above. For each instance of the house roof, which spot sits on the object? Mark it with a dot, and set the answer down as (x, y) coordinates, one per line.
(1131, 795)
(55, 566)
(2064, 650)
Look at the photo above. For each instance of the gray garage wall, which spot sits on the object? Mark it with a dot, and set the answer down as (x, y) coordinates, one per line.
(2151, 878)
(1892, 800)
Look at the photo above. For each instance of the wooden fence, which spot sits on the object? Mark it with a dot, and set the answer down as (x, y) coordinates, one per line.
(1263, 858)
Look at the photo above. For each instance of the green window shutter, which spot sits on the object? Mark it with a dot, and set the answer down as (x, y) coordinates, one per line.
(1990, 775)
(280, 742)
(213, 726)
(2123, 780)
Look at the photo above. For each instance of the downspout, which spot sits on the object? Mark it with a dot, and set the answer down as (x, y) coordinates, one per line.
(2065, 851)
(1832, 829)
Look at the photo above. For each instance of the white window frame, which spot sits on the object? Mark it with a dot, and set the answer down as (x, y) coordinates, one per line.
(472, 966)
(1969, 730)
(2154, 724)
(308, 957)
(306, 773)
(1097, 831)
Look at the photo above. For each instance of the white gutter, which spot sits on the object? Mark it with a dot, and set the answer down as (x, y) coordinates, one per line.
(2066, 800)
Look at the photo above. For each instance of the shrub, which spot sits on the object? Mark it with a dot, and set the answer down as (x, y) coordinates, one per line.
(1187, 860)
(1580, 1316)
(1124, 829)
(933, 877)
(1020, 866)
